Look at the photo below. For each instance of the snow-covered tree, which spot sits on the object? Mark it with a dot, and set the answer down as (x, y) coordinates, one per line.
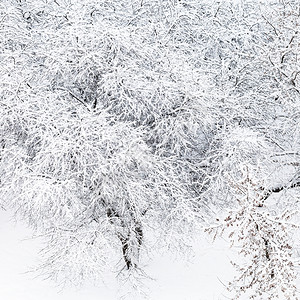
(99, 131)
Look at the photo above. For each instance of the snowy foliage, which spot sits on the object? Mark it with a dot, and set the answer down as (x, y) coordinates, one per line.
(263, 235)
(126, 125)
